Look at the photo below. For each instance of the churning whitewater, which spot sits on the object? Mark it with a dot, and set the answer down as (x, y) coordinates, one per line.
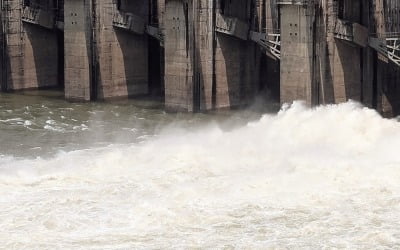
(302, 178)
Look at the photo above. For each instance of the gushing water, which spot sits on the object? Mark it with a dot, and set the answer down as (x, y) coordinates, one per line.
(303, 178)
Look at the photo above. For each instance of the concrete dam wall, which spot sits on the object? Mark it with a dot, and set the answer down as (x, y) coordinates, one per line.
(202, 55)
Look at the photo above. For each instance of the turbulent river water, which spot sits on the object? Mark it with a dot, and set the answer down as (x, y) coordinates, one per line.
(128, 175)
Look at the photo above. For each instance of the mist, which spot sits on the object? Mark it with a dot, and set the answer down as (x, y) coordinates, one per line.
(326, 176)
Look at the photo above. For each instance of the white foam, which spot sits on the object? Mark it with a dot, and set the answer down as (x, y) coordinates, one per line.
(28, 123)
(326, 177)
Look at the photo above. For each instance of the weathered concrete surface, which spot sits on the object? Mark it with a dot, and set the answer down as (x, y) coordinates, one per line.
(205, 70)
(78, 50)
(325, 53)
(122, 53)
(29, 50)
(343, 69)
(106, 49)
(297, 53)
(211, 58)
(236, 61)
(178, 56)
(321, 60)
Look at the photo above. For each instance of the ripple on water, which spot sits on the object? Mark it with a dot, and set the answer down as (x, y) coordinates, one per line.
(301, 179)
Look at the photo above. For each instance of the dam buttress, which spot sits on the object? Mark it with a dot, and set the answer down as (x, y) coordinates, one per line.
(201, 55)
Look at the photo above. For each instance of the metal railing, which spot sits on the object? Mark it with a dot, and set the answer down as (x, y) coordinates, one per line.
(343, 30)
(231, 26)
(388, 47)
(30, 13)
(271, 42)
(129, 22)
(38, 14)
(294, 2)
(393, 47)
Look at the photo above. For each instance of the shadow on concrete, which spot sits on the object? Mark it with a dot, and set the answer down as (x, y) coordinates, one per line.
(390, 89)
(350, 60)
(134, 63)
(236, 86)
(128, 61)
(269, 86)
(268, 90)
(155, 66)
(323, 67)
(44, 64)
(61, 58)
(6, 81)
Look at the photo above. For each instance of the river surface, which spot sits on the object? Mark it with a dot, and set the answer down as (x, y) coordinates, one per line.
(127, 175)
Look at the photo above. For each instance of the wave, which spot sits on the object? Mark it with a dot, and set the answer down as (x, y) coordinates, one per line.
(297, 172)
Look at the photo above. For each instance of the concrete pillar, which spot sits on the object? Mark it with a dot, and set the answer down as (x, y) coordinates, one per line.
(161, 13)
(322, 52)
(189, 53)
(204, 55)
(204, 69)
(106, 49)
(297, 53)
(29, 45)
(179, 56)
(79, 50)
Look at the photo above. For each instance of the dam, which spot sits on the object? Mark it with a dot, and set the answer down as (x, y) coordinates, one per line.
(157, 167)
(200, 55)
